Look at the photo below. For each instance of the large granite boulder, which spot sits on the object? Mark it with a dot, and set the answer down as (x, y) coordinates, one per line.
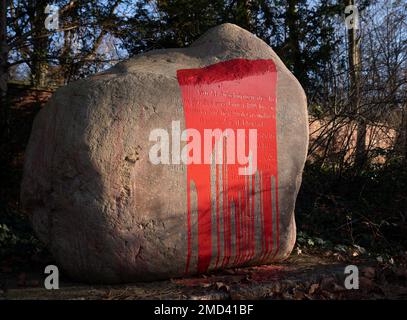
(127, 179)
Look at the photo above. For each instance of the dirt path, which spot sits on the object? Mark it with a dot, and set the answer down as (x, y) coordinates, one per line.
(300, 277)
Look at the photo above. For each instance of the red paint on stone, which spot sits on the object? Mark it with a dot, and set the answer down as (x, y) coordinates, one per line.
(236, 94)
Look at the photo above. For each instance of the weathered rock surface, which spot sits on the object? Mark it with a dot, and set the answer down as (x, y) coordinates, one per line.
(108, 214)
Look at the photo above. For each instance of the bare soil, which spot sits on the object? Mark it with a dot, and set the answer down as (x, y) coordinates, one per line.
(302, 276)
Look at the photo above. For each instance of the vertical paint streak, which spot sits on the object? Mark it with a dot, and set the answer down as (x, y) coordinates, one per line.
(277, 223)
(252, 230)
(219, 149)
(214, 221)
(189, 227)
(233, 230)
(264, 220)
(258, 227)
(226, 207)
(244, 220)
(194, 227)
(240, 227)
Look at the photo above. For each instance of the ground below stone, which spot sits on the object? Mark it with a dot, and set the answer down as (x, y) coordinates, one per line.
(300, 277)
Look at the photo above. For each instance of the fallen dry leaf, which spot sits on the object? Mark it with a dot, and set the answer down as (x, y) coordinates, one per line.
(337, 288)
(313, 288)
(369, 272)
(299, 295)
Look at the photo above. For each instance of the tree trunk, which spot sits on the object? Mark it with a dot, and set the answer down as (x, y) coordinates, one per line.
(244, 14)
(403, 132)
(3, 63)
(293, 36)
(39, 64)
(354, 57)
(403, 139)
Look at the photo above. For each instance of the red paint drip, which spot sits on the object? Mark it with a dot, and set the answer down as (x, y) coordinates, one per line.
(236, 94)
